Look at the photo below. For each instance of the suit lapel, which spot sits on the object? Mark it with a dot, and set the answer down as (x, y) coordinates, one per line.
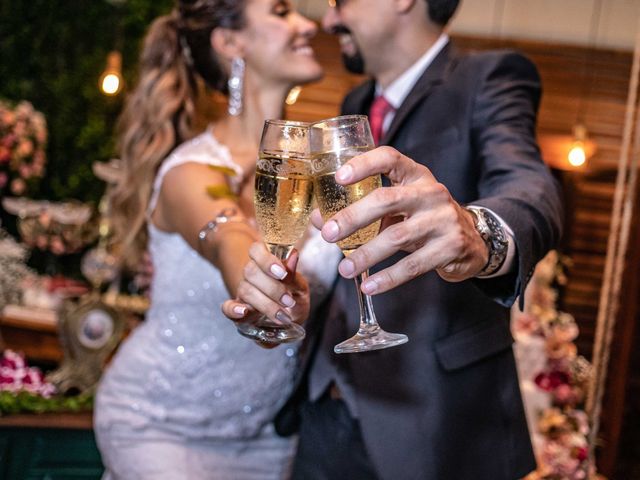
(359, 100)
(432, 76)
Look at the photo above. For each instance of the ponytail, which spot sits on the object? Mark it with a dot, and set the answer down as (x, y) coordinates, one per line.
(158, 116)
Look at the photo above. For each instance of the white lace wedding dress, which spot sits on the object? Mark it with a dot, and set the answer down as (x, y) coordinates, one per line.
(187, 397)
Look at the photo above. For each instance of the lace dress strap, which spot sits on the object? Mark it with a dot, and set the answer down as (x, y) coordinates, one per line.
(204, 149)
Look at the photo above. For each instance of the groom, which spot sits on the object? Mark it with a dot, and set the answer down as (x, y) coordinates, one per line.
(470, 209)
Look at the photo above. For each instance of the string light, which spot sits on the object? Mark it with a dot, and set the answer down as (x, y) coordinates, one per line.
(111, 80)
(581, 147)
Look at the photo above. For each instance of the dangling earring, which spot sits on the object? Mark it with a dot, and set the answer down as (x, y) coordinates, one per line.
(236, 79)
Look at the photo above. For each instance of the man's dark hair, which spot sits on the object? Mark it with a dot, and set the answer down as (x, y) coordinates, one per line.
(441, 11)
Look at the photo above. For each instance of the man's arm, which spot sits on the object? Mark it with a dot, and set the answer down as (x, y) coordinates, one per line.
(438, 233)
(514, 181)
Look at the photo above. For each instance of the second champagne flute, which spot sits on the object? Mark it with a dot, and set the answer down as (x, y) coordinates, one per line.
(283, 197)
(333, 143)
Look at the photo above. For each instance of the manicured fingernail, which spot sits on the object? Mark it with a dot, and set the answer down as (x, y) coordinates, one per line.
(369, 287)
(283, 317)
(287, 300)
(330, 230)
(240, 310)
(346, 267)
(278, 271)
(344, 173)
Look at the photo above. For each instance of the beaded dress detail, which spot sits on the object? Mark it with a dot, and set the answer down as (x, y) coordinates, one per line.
(186, 370)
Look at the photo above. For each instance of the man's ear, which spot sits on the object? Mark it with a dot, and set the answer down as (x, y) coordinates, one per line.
(227, 43)
(403, 6)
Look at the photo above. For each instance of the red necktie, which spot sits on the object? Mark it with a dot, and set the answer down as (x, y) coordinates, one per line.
(379, 109)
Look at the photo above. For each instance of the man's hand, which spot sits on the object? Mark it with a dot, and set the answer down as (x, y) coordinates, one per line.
(418, 216)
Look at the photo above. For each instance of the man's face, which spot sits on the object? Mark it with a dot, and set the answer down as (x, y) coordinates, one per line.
(335, 22)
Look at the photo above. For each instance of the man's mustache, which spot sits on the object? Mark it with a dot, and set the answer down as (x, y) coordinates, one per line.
(338, 29)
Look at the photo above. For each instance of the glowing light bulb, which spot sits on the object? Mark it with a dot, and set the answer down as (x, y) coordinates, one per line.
(110, 84)
(111, 79)
(577, 156)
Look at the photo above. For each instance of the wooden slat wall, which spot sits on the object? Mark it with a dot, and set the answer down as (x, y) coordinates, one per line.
(579, 85)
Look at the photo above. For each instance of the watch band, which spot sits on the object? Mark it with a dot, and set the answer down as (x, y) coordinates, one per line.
(494, 236)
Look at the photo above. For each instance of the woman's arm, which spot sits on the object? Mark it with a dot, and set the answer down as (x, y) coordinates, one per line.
(251, 274)
(185, 207)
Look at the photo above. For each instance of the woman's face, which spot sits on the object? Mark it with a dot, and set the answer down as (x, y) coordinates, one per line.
(277, 43)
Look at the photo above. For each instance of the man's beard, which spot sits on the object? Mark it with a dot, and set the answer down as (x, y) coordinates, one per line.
(353, 63)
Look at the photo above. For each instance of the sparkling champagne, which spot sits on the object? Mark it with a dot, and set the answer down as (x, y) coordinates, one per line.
(283, 199)
(333, 197)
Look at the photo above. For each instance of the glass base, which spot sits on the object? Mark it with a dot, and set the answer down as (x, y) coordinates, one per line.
(372, 338)
(274, 334)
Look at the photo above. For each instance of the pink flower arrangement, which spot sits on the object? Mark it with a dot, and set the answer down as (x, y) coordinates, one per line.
(564, 450)
(23, 137)
(16, 376)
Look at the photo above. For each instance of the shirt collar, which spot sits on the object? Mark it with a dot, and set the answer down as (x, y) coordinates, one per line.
(398, 90)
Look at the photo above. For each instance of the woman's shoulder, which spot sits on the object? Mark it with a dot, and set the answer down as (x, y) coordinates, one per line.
(203, 144)
(204, 148)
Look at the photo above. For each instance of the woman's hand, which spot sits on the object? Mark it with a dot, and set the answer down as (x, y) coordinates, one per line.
(270, 287)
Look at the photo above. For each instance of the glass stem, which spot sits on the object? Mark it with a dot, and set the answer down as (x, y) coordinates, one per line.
(280, 251)
(368, 320)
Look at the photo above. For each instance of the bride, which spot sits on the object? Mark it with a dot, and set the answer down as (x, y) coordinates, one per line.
(187, 397)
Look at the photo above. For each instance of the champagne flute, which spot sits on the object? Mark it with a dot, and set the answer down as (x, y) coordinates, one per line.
(334, 142)
(283, 202)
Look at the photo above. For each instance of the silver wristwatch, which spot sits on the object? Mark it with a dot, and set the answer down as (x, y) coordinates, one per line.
(494, 236)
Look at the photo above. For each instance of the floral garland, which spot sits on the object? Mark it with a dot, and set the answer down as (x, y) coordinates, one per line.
(13, 270)
(23, 137)
(24, 389)
(553, 376)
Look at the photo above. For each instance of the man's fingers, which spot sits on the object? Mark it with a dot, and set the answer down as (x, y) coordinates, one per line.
(409, 236)
(400, 169)
(423, 260)
(390, 220)
(394, 201)
(316, 219)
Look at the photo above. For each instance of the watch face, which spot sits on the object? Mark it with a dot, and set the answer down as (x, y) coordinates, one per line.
(95, 329)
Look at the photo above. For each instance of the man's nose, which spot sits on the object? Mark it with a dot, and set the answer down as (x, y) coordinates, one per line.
(331, 18)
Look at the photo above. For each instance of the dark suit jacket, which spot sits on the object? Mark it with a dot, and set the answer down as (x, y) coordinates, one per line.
(447, 404)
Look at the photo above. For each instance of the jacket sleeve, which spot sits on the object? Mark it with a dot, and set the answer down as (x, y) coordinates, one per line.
(514, 181)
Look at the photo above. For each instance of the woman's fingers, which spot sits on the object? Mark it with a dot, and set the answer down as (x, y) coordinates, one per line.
(267, 285)
(236, 310)
(267, 262)
(250, 294)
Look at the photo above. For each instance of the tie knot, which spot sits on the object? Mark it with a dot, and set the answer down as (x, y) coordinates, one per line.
(381, 105)
(377, 113)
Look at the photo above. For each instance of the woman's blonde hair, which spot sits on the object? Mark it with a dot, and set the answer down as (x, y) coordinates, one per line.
(159, 113)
